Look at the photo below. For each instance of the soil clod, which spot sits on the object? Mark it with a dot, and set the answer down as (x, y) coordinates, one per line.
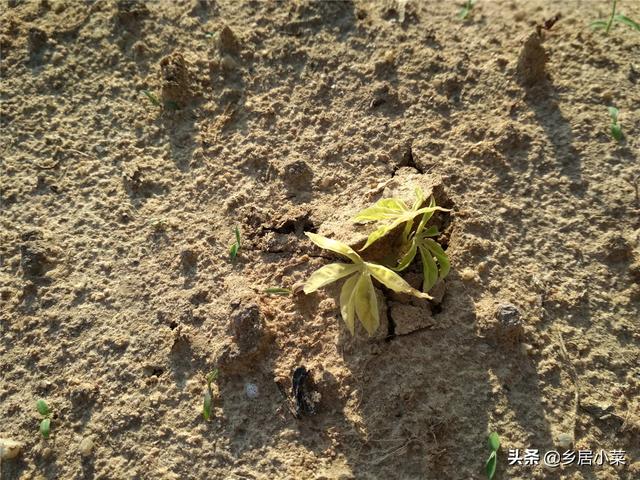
(532, 61)
(305, 397)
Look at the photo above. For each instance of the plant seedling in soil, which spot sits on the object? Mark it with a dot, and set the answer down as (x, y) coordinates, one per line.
(152, 98)
(614, 18)
(492, 461)
(616, 130)
(466, 9)
(357, 297)
(278, 291)
(235, 247)
(208, 395)
(45, 424)
(435, 263)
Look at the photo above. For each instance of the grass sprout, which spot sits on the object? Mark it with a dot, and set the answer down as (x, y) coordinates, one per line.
(614, 18)
(152, 98)
(235, 246)
(208, 395)
(615, 128)
(45, 424)
(278, 291)
(492, 461)
(466, 9)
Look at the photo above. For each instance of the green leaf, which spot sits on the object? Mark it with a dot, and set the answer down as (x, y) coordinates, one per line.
(152, 98)
(367, 304)
(627, 21)
(429, 269)
(441, 256)
(419, 199)
(45, 427)
(328, 274)
(233, 251)
(616, 131)
(494, 441)
(491, 465)
(392, 280)
(432, 231)
(381, 210)
(206, 408)
(212, 376)
(598, 24)
(334, 246)
(347, 303)
(613, 112)
(43, 408)
(408, 257)
(238, 236)
(278, 291)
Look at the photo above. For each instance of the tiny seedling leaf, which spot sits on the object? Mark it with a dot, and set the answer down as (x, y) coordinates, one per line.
(278, 291)
(43, 408)
(494, 441)
(238, 236)
(152, 98)
(212, 376)
(491, 465)
(616, 131)
(206, 409)
(233, 251)
(613, 112)
(598, 24)
(627, 21)
(45, 427)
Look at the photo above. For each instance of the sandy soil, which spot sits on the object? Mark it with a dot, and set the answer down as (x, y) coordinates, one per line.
(117, 294)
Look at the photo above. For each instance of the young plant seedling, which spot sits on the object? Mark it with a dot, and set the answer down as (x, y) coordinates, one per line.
(466, 9)
(614, 128)
(208, 395)
(152, 98)
(45, 424)
(492, 461)
(357, 297)
(278, 291)
(614, 18)
(435, 263)
(235, 246)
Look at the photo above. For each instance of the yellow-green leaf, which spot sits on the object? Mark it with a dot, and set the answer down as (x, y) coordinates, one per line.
(386, 208)
(347, 303)
(441, 256)
(393, 281)
(407, 216)
(419, 198)
(328, 274)
(407, 258)
(367, 304)
(429, 269)
(334, 246)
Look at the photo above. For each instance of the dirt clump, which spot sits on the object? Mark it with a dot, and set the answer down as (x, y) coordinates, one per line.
(531, 62)
(176, 80)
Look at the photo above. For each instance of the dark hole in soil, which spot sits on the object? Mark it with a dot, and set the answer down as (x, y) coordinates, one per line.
(436, 309)
(173, 325)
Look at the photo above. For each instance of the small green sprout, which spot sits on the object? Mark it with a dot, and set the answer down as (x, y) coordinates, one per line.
(278, 291)
(614, 18)
(152, 98)
(208, 395)
(357, 296)
(492, 461)
(235, 247)
(466, 9)
(615, 128)
(45, 424)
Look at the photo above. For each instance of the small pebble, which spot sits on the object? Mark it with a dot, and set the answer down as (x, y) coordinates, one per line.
(9, 448)
(86, 446)
(251, 390)
(564, 440)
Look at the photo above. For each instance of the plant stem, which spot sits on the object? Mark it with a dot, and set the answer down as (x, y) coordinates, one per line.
(613, 12)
